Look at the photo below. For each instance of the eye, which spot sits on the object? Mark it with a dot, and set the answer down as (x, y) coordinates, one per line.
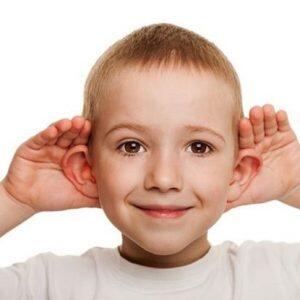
(129, 146)
(132, 147)
(201, 148)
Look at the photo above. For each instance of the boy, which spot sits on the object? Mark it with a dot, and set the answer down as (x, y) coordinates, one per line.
(176, 98)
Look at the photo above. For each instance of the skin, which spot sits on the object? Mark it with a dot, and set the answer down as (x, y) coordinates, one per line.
(165, 168)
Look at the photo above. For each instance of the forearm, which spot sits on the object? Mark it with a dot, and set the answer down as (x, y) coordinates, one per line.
(12, 213)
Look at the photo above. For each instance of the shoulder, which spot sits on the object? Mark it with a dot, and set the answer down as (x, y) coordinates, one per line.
(79, 275)
(266, 250)
(262, 252)
(56, 274)
(264, 263)
(84, 264)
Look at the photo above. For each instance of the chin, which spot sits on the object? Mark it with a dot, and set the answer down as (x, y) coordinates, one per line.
(163, 246)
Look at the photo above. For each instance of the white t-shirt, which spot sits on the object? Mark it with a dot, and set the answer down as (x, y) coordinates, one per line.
(253, 270)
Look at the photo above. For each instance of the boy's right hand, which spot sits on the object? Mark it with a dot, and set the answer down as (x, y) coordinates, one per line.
(35, 177)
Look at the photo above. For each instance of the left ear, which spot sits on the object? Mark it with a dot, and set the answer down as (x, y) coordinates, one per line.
(247, 165)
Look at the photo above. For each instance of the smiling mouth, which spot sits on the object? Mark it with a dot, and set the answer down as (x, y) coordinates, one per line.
(162, 207)
(164, 213)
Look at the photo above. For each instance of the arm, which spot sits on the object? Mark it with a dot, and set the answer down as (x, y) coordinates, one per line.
(12, 213)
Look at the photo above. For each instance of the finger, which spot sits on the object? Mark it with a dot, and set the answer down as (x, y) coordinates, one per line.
(61, 126)
(67, 138)
(246, 137)
(270, 123)
(47, 135)
(256, 117)
(282, 121)
(84, 134)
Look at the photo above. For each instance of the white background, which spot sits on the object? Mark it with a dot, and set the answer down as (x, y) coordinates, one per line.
(47, 49)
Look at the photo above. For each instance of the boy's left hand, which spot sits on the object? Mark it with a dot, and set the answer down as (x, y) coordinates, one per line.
(270, 134)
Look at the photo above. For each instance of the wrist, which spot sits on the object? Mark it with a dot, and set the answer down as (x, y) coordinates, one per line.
(291, 179)
(8, 200)
(292, 198)
(12, 213)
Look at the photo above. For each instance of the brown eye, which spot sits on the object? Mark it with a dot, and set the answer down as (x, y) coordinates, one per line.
(201, 148)
(132, 146)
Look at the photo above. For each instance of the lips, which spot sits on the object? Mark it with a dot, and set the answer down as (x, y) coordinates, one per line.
(160, 212)
(163, 207)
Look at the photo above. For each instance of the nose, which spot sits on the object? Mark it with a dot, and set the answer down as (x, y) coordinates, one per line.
(163, 172)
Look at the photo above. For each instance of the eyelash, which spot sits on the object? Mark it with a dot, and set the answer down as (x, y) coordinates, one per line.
(211, 148)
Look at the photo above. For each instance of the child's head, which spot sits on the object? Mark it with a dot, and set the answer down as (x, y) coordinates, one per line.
(160, 45)
(165, 81)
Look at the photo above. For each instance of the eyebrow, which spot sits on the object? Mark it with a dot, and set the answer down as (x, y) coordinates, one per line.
(141, 128)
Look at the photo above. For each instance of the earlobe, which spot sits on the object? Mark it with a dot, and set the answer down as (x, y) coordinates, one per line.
(75, 164)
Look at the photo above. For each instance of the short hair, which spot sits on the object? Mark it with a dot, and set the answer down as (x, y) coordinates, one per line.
(160, 43)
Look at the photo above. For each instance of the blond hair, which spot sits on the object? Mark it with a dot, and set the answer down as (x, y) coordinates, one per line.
(158, 43)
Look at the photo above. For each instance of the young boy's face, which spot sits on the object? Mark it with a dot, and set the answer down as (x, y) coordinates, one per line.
(164, 167)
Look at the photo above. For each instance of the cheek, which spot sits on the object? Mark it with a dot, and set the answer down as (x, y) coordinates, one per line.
(210, 181)
(118, 177)
(210, 193)
(116, 180)
(113, 189)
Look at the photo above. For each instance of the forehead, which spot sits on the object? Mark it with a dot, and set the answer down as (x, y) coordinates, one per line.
(166, 98)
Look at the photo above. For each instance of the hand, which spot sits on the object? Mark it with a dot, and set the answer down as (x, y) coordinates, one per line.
(270, 134)
(35, 177)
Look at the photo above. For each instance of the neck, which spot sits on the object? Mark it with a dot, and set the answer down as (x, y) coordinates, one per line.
(134, 253)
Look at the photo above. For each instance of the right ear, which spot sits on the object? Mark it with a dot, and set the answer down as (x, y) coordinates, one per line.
(76, 164)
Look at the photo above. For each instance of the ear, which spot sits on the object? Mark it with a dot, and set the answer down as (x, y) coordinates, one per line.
(76, 165)
(247, 165)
